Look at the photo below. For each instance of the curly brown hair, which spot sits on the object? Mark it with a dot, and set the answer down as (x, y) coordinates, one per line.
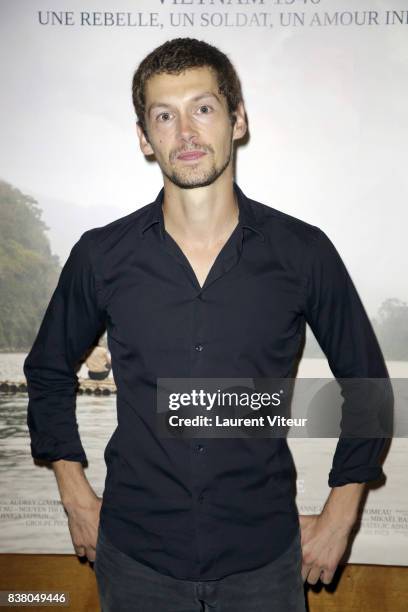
(179, 54)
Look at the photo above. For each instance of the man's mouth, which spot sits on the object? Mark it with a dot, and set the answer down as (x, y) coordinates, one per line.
(190, 155)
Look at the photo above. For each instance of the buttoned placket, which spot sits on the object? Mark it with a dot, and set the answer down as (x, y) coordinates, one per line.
(226, 259)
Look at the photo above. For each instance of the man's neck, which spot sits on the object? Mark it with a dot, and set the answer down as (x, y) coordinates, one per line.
(204, 216)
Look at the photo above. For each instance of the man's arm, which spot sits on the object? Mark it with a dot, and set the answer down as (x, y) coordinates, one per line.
(72, 321)
(82, 506)
(324, 536)
(338, 320)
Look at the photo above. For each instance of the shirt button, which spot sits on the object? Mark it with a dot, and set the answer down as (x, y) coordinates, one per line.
(200, 448)
(200, 499)
(198, 347)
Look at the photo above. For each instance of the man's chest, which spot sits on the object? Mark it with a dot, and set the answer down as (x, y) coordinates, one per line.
(201, 260)
(157, 306)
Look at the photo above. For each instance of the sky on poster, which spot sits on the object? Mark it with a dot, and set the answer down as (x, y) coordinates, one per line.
(326, 106)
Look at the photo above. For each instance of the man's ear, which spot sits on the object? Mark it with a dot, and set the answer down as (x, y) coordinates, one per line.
(240, 125)
(145, 145)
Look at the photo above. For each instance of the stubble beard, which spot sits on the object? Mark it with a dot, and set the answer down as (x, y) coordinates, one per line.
(188, 179)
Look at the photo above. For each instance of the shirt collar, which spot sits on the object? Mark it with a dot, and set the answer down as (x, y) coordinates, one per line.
(248, 215)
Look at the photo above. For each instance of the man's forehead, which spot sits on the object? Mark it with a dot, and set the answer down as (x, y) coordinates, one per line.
(189, 84)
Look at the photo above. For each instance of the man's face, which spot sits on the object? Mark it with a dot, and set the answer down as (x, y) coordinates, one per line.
(189, 129)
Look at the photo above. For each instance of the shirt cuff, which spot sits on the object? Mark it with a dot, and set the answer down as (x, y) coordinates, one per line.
(47, 449)
(357, 474)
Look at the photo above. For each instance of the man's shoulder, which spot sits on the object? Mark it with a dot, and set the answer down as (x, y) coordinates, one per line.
(279, 225)
(119, 228)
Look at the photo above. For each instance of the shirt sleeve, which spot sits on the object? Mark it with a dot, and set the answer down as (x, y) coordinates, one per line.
(341, 326)
(72, 322)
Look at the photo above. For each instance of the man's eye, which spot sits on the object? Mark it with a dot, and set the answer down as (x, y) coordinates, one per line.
(163, 117)
(205, 109)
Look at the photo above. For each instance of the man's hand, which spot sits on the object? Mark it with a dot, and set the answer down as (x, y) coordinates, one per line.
(83, 523)
(324, 537)
(323, 546)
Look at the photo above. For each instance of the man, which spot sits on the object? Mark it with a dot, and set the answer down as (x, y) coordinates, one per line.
(203, 282)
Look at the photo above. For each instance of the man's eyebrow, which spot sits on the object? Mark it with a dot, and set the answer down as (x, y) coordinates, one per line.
(156, 105)
(207, 94)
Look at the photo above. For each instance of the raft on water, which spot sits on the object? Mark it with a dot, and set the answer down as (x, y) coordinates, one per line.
(86, 386)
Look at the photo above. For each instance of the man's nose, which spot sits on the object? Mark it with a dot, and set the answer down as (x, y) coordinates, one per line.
(185, 128)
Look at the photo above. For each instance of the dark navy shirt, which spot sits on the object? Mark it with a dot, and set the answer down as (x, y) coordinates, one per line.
(187, 508)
